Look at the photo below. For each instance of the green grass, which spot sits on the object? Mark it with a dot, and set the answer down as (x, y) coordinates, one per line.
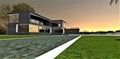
(93, 47)
(21, 36)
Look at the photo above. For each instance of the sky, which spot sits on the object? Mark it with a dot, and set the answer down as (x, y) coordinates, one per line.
(88, 15)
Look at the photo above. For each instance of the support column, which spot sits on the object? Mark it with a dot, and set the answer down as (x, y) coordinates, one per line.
(50, 30)
(16, 28)
(63, 30)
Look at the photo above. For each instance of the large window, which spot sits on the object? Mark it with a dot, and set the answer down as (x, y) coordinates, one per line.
(34, 21)
(33, 28)
(23, 28)
(44, 30)
(13, 18)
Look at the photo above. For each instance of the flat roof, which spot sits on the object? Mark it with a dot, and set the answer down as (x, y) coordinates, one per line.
(58, 21)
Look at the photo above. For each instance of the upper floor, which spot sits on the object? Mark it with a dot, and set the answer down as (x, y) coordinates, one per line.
(33, 18)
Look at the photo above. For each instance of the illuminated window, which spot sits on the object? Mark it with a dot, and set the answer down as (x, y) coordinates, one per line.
(59, 25)
(33, 28)
(34, 21)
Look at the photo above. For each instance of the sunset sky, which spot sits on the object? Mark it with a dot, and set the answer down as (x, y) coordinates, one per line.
(88, 15)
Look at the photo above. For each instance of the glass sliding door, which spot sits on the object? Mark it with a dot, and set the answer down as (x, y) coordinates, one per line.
(33, 28)
(44, 29)
(23, 28)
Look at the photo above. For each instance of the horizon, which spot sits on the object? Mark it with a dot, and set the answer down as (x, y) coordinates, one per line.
(88, 15)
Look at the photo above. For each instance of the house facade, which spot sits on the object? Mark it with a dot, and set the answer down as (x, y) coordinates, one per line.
(32, 23)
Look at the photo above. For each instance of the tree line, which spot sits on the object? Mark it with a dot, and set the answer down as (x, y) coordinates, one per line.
(101, 32)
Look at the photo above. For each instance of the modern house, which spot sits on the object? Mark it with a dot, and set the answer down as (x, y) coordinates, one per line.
(32, 23)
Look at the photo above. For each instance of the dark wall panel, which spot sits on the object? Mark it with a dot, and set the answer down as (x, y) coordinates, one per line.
(24, 17)
(11, 28)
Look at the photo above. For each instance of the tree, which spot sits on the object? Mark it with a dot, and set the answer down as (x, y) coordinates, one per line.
(20, 7)
(116, 1)
(4, 10)
(2, 30)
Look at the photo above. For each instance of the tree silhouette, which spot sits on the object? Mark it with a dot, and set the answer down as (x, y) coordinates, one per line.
(4, 10)
(113, 1)
(20, 7)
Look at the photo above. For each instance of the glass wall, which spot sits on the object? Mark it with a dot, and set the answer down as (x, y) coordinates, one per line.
(38, 29)
(44, 29)
(41, 29)
(13, 18)
(34, 21)
(33, 28)
(23, 28)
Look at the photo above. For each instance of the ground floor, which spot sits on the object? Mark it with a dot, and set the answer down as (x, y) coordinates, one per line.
(33, 29)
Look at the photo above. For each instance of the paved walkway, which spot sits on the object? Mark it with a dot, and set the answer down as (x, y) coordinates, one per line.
(55, 52)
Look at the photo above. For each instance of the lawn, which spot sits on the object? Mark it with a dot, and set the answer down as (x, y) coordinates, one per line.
(93, 47)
